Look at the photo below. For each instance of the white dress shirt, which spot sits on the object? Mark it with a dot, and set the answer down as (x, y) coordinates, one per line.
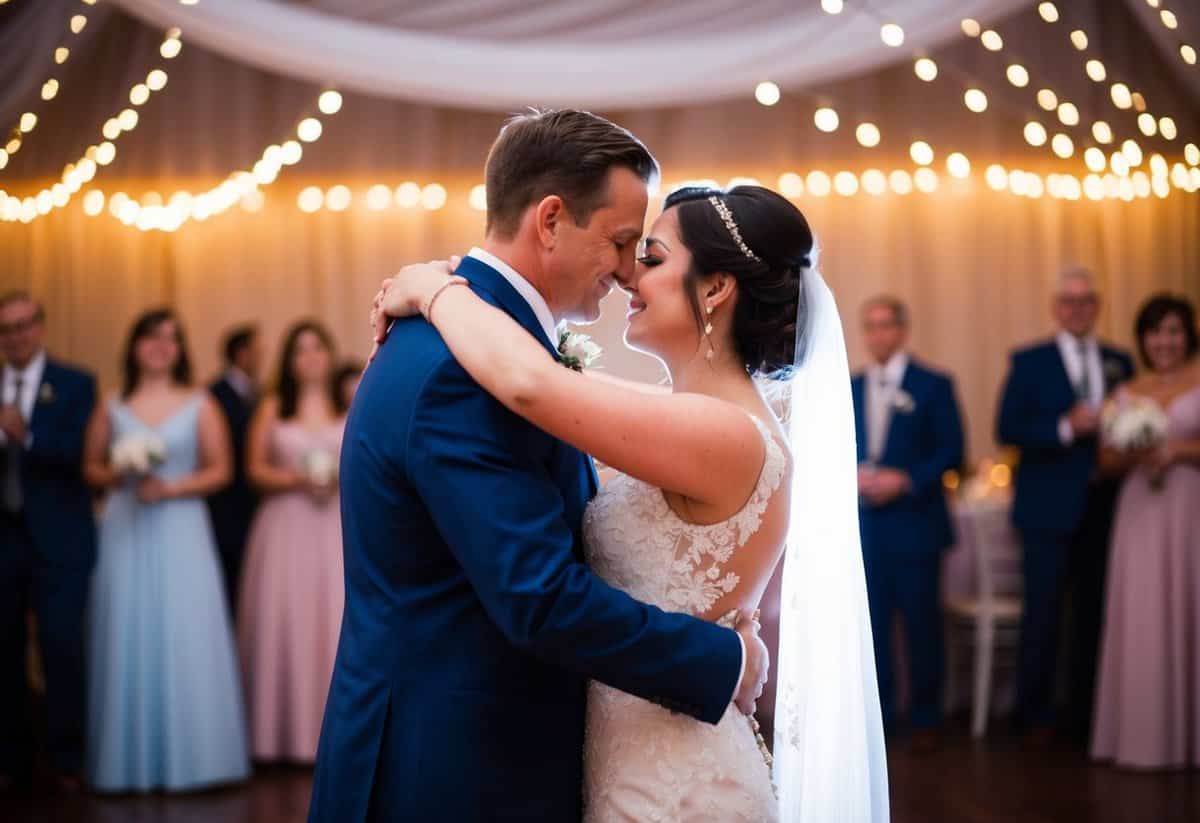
(532, 296)
(545, 318)
(31, 384)
(882, 385)
(1078, 354)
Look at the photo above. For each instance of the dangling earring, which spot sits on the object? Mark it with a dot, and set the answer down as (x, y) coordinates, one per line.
(708, 331)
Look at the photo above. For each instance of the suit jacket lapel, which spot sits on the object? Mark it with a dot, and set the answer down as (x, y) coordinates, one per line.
(1061, 373)
(896, 418)
(860, 421)
(499, 292)
(47, 380)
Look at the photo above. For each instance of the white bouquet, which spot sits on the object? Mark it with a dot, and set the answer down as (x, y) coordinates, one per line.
(578, 351)
(137, 453)
(1134, 423)
(320, 467)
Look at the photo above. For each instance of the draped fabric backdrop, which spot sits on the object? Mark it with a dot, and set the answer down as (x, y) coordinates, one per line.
(975, 265)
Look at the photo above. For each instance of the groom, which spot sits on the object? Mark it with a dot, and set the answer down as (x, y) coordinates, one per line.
(471, 623)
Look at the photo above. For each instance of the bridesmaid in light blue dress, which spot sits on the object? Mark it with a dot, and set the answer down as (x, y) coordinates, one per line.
(165, 701)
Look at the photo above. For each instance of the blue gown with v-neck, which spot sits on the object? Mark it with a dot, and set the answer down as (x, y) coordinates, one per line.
(165, 700)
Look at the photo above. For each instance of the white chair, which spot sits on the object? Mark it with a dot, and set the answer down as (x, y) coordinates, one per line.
(989, 621)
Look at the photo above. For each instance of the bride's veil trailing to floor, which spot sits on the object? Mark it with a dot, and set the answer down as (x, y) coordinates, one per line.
(830, 762)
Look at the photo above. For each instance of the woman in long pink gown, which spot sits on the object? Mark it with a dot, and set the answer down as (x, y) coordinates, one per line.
(1148, 701)
(290, 606)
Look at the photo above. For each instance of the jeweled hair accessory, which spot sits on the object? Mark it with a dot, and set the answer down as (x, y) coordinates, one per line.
(727, 218)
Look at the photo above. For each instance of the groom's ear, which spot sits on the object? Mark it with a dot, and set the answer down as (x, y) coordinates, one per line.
(548, 216)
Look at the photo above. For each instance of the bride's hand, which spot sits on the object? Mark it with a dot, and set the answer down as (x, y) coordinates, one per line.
(403, 294)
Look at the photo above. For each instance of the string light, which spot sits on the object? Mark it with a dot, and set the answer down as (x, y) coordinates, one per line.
(791, 185)
(1168, 19)
(767, 93)
(845, 183)
(1166, 127)
(818, 183)
(901, 182)
(1018, 75)
(1095, 70)
(433, 196)
(1049, 12)
(926, 69)
(958, 165)
(379, 197)
(337, 198)
(1068, 114)
(477, 199)
(1095, 160)
(975, 100)
(1079, 39)
(991, 40)
(1062, 145)
(921, 153)
(874, 182)
(832, 6)
(330, 102)
(1147, 124)
(1102, 132)
(408, 195)
(892, 35)
(1047, 99)
(826, 119)
(971, 28)
(1132, 152)
(309, 130)
(1035, 133)
(926, 180)
(867, 135)
(1188, 53)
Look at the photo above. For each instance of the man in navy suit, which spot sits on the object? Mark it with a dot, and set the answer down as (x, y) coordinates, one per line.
(47, 540)
(909, 435)
(1050, 410)
(471, 623)
(232, 508)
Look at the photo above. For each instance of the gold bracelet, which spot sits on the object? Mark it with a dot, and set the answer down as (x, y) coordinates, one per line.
(427, 309)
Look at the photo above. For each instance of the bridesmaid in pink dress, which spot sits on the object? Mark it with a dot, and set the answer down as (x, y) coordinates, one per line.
(290, 606)
(1148, 702)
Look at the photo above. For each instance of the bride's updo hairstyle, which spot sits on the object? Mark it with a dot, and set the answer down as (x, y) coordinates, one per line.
(768, 264)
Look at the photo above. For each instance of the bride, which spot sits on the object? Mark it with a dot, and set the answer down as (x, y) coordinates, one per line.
(711, 487)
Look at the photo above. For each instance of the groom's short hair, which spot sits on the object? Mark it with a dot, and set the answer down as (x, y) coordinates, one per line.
(564, 152)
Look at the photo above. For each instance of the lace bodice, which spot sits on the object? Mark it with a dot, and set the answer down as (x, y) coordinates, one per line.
(637, 543)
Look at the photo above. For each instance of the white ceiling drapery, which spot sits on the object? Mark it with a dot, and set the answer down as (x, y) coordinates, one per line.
(502, 54)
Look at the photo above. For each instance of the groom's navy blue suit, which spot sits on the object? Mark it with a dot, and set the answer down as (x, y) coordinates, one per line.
(471, 624)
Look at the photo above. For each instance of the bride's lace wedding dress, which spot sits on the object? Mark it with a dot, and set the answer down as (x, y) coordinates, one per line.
(643, 762)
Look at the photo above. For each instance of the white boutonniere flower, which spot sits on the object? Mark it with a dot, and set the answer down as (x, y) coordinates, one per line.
(46, 394)
(578, 351)
(903, 402)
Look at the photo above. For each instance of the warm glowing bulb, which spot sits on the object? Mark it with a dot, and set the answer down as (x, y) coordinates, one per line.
(1102, 132)
(975, 100)
(3, 158)
(1188, 54)
(901, 181)
(1035, 133)
(1121, 96)
(1047, 99)
(1158, 165)
(832, 6)
(1068, 114)
(874, 182)
(1191, 153)
(106, 152)
(767, 93)
(1062, 145)
(408, 195)
(818, 183)
(845, 183)
(891, 35)
(477, 199)
(78, 22)
(1079, 39)
(338, 198)
(921, 153)
(379, 197)
(971, 28)
(1132, 152)
(1049, 12)
(433, 196)
(1095, 70)
(156, 80)
(1141, 184)
(310, 199)
(61, 54)
(139, 94)
(926, 69)
(1119, 163)
(49, 89)
(867, 135)
(170, 48)
(791, 185)
(28, 122)
(997, 177)
(309, 129)
(290, 153)
(992, 41)
(127, 119)
(926, 180)
(93, 202)
(330, 102)
(1139, 102)
(1166, 127)
(1095, 159)
(826, 119)
(1168, 19)
(1147, 124)
(1018, 75)
(958, 165)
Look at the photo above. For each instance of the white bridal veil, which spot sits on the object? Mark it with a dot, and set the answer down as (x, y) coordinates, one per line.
(830, 763)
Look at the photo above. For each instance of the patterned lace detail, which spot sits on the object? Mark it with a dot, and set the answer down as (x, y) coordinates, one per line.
(636, 541)
(643, 762)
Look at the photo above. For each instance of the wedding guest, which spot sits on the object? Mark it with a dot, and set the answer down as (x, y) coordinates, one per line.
(909, 435)
(47, 540)
(1148, 698)
(232, 508)
(165, 701)
(347, 379)
(290, 611)
(1062, 506)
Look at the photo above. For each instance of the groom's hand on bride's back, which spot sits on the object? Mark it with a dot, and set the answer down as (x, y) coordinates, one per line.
(758, 665)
